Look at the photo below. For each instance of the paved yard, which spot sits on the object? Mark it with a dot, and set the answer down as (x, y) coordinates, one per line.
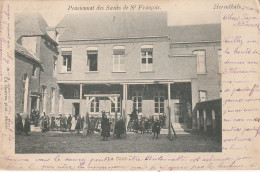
(76, 143)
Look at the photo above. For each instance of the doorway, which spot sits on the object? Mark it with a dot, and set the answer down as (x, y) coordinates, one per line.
(75, 109)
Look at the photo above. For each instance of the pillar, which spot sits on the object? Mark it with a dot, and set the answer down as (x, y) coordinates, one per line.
(205, 120)
(80, 100)
(198, 119)
(213, 122)
(169, 110)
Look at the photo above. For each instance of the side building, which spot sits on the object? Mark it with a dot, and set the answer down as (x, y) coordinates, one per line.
(35, 37)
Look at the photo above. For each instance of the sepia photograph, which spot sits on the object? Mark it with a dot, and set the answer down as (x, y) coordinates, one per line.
(117, 82)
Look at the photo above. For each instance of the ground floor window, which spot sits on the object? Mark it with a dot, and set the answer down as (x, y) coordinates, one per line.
(118, 103)
(94, 105)
(137, 100)
(159, 101)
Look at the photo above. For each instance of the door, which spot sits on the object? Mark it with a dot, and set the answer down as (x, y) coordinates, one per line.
(179, 116)
(75, 109)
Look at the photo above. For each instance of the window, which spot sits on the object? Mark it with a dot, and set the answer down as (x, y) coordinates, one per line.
(34, 71)
(119, 59)
(94, 106)
(66, 59)
(159, 102)
(44, 98)
(52, 100)
(54, 66)
(118, 102)
(219, 61)
(137, 100)
(201, 61)
(30, 43)
(202, 95)
(92, 59)
(146, 57)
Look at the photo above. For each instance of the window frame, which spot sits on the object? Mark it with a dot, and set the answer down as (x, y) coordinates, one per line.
(135, 96)
(161, 94)
(198, 61)
(118, 103)
(206, 95)
(34, 71)
(66, 54)
(95, 102)
(120, 58)
(146, 64)
(91, 49)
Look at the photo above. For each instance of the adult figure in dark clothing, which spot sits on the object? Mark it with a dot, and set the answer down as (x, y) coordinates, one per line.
(18, 124)
(27, 124)
(78, 124)
(105, 126)
(44, 123)
(120, 128)
(36, 117)
(53, 125)
(69, 122)
(156, 128)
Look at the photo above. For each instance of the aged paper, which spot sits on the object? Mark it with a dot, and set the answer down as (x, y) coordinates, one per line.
(175, 43)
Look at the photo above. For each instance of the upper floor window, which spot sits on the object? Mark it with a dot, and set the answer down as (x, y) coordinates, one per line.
(118, 58)
(34, 71)
(146, 57)
(92, 59)
(202, 95)
(66, 59)
(219, 61)
(201, 61)
(30, 43)
(54, 66)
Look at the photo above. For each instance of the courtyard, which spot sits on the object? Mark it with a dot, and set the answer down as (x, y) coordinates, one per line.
(58, 142)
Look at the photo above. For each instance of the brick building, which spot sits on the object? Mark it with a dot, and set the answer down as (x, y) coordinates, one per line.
(140, 59)
(35, 50)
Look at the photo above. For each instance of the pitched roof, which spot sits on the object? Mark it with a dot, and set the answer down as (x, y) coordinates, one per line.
(24, 52)
(195, 33)
(113, 25)
(31, 24)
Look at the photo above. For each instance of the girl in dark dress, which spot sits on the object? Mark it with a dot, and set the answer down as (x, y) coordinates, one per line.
(105, 126)
(27, 125)
(78, 124)
(156, 128)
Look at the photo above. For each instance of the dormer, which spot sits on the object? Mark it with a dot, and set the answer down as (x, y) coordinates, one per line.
(30, 43)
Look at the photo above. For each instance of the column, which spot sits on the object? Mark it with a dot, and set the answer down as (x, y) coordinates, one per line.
(198, 119)
(205, 120)
(80, 100)
(213, 122)
(169, 111)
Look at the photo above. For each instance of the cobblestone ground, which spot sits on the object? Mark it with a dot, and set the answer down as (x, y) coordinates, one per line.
(77, 143)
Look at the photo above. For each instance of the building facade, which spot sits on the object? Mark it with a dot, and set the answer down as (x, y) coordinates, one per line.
(139, 58)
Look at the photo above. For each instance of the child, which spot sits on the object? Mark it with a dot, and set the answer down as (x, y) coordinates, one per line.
(156, 128)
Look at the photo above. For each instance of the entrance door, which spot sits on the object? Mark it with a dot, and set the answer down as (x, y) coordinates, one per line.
(179, 116)
(75, 109)
(33, 102)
